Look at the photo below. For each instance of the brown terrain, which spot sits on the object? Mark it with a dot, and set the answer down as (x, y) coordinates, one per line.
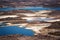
(14, 12)
(21, 37)
(55, 14)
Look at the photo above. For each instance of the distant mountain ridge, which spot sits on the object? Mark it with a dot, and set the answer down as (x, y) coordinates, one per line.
(17, 3)
(32, 0)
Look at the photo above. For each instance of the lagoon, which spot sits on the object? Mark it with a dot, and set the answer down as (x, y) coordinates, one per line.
(29, 8)
(11, 30)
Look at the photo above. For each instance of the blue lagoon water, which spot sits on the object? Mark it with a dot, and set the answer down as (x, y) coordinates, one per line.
(10, 30)
(30, 8)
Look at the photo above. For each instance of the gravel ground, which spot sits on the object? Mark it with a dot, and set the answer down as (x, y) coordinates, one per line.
(21, 37)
